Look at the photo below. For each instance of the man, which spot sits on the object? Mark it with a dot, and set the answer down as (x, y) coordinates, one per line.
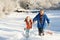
(41, 18)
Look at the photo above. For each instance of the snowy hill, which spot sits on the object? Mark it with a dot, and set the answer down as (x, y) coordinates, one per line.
(7, 6)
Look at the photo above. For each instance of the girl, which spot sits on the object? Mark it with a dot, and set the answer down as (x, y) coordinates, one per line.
(28, 25)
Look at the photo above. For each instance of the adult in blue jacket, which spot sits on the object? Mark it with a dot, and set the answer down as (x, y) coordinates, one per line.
(41, 19)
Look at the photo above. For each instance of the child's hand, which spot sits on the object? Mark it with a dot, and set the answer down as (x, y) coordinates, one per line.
(24, 28)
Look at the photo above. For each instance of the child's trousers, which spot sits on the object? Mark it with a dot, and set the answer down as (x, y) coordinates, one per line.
(27, 33)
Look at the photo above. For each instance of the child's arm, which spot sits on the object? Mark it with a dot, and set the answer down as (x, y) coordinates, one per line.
(25, 20)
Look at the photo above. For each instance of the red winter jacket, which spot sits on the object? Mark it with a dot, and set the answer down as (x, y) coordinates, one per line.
(28, 24)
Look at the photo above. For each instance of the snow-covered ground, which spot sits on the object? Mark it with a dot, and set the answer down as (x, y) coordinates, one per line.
(12, 27)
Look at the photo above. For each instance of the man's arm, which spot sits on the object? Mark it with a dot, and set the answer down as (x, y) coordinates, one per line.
(35, 18)
(48, 21)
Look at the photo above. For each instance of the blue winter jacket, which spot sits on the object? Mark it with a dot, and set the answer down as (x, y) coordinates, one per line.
(44, 19)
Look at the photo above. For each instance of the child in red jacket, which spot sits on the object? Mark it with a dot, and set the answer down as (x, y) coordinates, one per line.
(28, 25)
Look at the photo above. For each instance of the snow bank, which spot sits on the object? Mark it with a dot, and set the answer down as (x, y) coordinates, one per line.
(12, 28)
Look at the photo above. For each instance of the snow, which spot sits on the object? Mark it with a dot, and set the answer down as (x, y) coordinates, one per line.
(12, 28)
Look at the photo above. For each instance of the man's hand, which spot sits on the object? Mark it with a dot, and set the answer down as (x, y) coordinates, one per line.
(32, 22)
(48, 26)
